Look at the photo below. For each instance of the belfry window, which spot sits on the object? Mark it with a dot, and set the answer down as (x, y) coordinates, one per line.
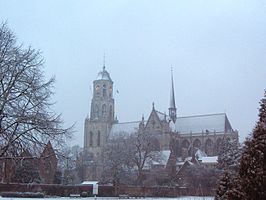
(91, 138)
(99, 138)
(104, 90)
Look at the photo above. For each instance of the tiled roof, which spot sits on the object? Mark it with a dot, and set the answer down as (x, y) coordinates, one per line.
(202, 123)
(125, 128)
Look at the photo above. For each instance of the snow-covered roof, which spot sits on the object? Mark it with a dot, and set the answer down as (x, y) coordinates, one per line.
(125, 128)
(200, 154)
(162, 159)
(202, 123)
(104, 75)
(211, 159)
(89, 182)
(165, 156)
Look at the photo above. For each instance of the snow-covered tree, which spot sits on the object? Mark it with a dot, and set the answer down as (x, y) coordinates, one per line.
(250, 183)
(252, 171)
(229, 154)
(225, 184)
(228, 162)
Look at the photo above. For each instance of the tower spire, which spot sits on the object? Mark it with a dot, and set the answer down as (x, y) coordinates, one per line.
(172, 108)
(104, 61)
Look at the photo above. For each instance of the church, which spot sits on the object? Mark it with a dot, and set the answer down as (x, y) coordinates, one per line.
(200, 132)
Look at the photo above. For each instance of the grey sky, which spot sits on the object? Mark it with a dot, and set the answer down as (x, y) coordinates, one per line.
(217, 50)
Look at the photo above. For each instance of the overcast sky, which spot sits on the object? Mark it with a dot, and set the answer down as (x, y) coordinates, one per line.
(217, 50)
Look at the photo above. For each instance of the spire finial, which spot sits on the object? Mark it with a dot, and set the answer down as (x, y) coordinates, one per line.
(104, 61)
(172, 92)
(153, 105)
(172, 108)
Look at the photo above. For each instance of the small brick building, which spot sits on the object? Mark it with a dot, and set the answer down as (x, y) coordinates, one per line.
(45, 165)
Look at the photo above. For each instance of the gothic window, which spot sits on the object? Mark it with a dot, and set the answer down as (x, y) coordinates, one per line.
(97, 89)
(185, 144)
(103, 110)
(209, 147)
(185, 148)
(218, 145)
(197, 144)
(91, 138)
(104, 90)
(99, 138)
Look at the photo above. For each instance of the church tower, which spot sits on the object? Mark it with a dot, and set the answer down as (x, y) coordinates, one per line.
(98, 125)
(172, 108)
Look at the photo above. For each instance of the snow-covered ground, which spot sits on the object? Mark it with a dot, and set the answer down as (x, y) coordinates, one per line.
(113, 198)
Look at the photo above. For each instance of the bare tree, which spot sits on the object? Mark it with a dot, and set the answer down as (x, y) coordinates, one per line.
(68, 164)
(118, 163)
(144, 152)
(126, 157)
(26, 118)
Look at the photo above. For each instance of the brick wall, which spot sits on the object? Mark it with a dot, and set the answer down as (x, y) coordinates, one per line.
(106, 191)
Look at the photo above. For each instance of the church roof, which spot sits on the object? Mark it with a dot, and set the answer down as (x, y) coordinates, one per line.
(125, 128)
(202, 123)
(104, 75)
(162, 116)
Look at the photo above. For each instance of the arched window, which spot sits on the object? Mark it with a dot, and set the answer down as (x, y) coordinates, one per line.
(197, 144)
(218, 145)
(104, 90)
(103, 110)
(91, 138)
(185, 149)
(209, 147)
(185, 144)
(99, 138)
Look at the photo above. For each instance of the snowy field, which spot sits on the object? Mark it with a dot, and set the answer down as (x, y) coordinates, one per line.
(112, 198)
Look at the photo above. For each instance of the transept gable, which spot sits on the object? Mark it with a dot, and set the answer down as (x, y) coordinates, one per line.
(154, 122)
